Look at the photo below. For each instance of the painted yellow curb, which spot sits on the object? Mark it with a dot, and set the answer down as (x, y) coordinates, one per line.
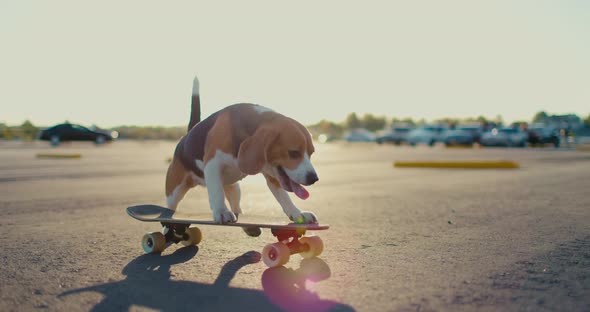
(496, 164)
(59, 155)
(583, 148)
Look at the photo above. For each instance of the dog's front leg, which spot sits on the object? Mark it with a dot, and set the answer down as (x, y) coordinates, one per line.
(294, 213)
(214, 184)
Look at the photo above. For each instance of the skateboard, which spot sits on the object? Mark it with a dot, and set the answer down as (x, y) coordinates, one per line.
(177, 229)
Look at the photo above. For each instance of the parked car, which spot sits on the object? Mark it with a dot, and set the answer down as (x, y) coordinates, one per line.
(429, 135)
(458, 137)
(72, 132)
(541, 134)
(505, 137)
(359, 135)
(463, 135)
(474, 130)
(397, 135)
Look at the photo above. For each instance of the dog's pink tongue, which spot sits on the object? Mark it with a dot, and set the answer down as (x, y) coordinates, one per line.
(299, 190)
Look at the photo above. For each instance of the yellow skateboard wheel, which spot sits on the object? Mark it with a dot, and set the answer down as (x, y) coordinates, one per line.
(153, 242)
(194, 237)
(316, 246)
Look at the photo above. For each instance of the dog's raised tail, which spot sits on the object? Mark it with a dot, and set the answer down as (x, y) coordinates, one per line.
(195, 105)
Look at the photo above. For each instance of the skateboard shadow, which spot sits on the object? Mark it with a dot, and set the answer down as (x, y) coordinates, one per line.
(147, 284)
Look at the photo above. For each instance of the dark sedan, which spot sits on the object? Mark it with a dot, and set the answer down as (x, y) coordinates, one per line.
(539, 134)
(71, 132)
(397, 136)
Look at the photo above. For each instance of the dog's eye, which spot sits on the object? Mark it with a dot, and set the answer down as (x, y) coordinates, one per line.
(294, 154)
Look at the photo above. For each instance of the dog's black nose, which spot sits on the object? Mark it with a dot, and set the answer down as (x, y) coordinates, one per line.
(311, 178)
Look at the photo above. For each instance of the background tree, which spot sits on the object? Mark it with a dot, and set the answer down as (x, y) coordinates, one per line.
(499, 120)
(5, 132)
(587, 121)
(28, 130)
(407, 120)
(452, 122)
(329, 128)
(520, 124)
(352, 121)
(373, 123)
(540, 116)
(479, 119)
(150, 133)
(482, 119)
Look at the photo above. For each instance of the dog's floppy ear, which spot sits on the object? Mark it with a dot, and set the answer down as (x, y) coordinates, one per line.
(253, 151)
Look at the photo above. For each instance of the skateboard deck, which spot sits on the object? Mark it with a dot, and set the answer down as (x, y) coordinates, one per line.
(154, 213)
(177, 229)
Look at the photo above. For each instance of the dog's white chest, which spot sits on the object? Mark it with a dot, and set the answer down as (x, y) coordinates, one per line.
(231, 174)
(227, 164)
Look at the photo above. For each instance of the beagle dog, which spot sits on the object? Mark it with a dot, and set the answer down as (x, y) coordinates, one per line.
(241, 140)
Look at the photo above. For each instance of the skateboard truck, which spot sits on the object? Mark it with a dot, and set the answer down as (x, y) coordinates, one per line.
(174, 233)
(297, 247)
(294, 245)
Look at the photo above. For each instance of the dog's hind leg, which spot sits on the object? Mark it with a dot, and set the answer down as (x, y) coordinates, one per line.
(178, 182)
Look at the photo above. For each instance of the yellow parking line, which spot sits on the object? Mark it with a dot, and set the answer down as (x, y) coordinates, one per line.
(496, 164)
(59, 155)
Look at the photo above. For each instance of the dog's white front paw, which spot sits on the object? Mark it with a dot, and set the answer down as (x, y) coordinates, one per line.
(303, 217)
(237, 210)
(224, 216)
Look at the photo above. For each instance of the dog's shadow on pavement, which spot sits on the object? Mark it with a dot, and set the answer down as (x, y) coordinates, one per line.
(148, 285)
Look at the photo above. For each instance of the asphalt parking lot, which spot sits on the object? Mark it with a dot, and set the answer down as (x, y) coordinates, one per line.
(401, 239)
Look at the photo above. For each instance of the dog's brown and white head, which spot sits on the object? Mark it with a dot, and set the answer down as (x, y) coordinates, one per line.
(281, 149)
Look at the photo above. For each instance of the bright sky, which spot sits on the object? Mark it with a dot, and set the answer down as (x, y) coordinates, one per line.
(132, 62)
